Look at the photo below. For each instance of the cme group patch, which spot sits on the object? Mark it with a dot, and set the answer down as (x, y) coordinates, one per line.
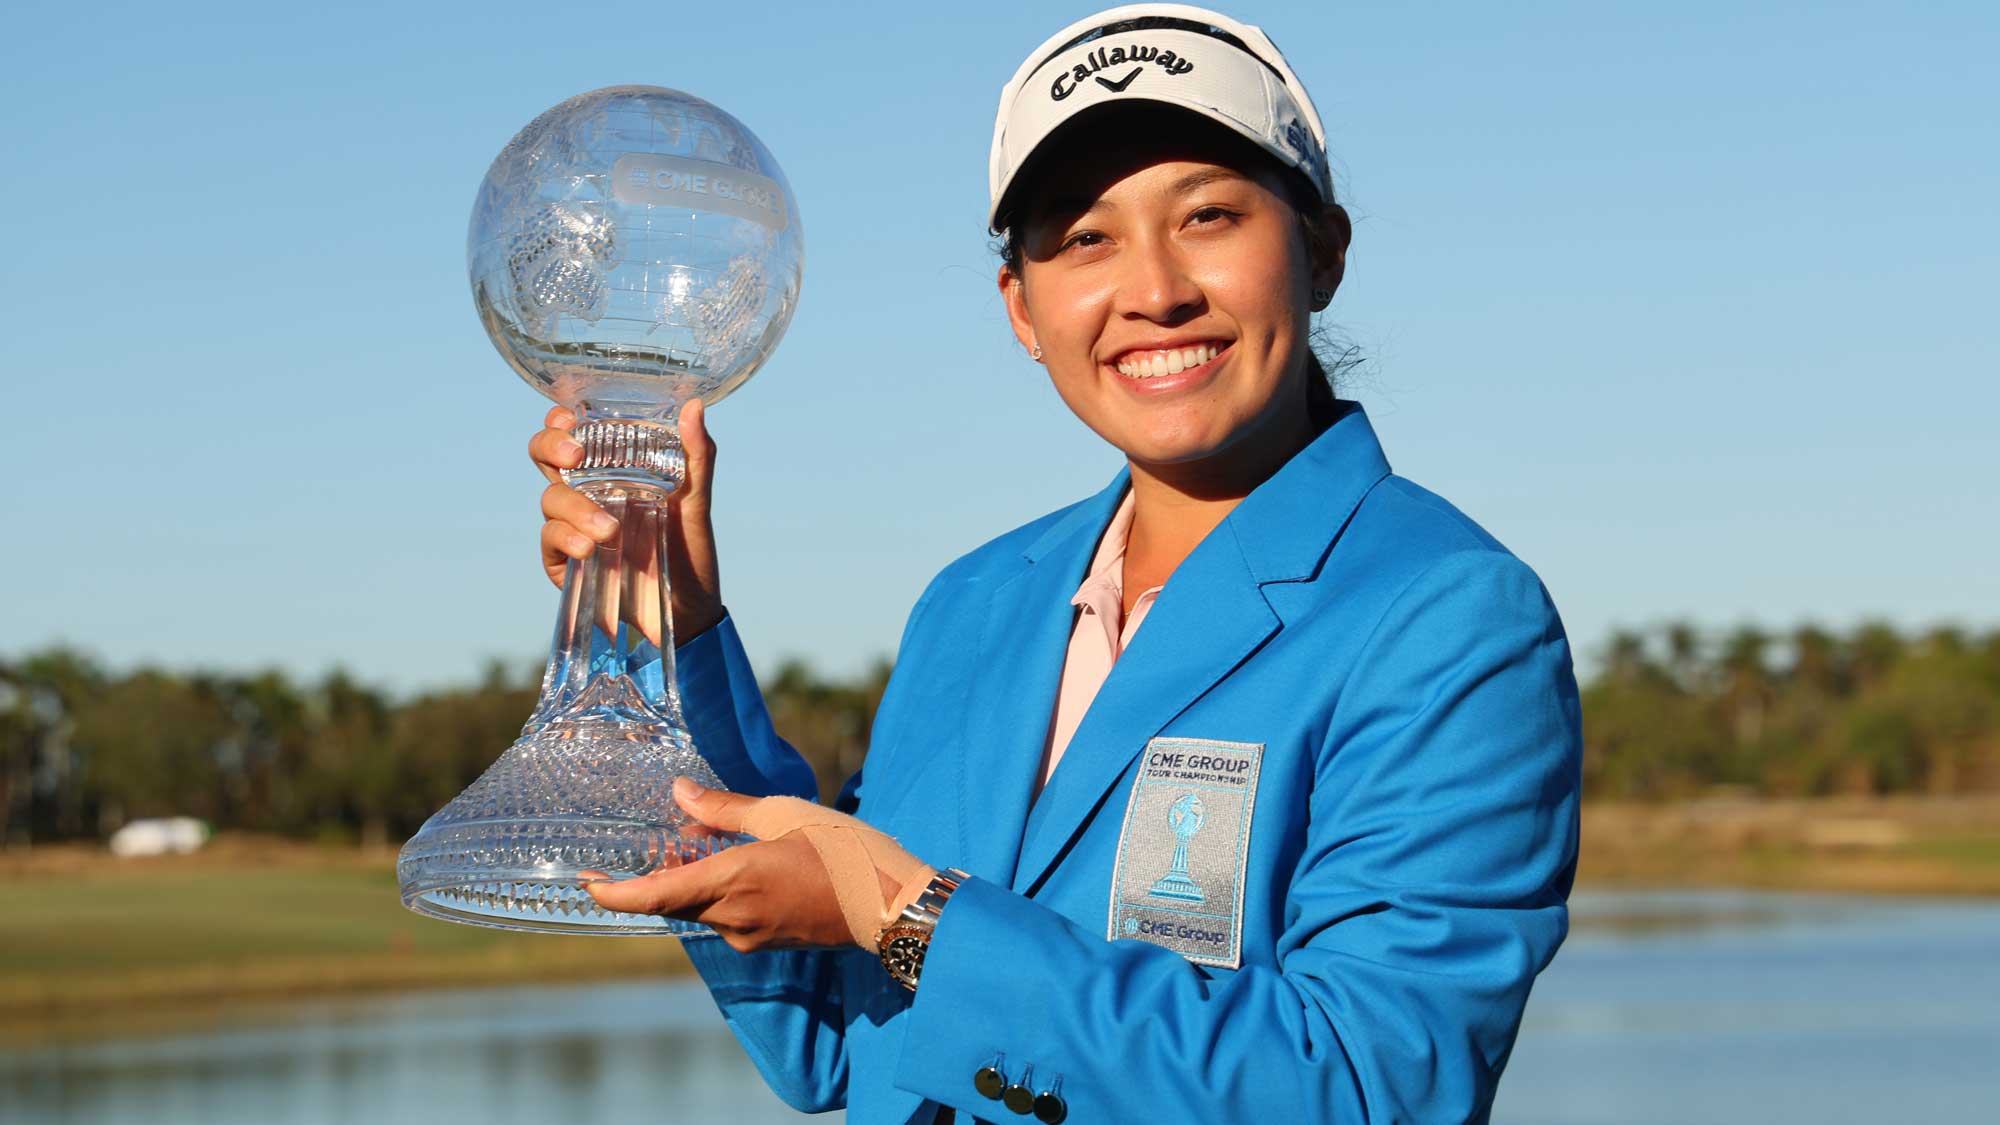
(1178, 880)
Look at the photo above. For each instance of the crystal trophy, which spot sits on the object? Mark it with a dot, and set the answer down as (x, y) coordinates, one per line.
(632, 248)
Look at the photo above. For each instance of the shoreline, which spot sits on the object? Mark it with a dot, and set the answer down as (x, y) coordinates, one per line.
(1947, 846)
(101, 947)
(214, 997)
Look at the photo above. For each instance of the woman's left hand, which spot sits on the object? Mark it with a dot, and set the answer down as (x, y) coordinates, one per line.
(777, 892)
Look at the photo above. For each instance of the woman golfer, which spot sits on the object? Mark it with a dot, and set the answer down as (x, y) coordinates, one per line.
(1243, 790)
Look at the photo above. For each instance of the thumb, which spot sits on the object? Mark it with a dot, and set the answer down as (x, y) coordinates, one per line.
(716, 808)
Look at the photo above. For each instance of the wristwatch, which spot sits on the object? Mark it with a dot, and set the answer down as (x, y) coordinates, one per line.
(904, 941)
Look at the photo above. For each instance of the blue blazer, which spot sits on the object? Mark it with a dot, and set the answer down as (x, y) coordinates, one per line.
(1301, 861)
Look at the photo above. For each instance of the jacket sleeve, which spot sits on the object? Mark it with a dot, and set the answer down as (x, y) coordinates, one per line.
(782, 1007)
(1431, 890)
(725, 712)
(785, 1006)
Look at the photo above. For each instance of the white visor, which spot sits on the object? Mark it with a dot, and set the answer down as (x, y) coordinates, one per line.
(1173, 54)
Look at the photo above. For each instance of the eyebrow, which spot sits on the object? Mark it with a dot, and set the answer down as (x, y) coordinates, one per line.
(1203, 178)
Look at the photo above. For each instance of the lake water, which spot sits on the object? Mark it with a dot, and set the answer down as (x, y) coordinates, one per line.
(1663, 1008)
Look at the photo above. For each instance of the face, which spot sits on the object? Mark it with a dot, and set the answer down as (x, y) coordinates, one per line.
(1168, 281)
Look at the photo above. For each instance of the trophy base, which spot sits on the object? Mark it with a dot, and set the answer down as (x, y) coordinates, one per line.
(1179, 887)
(572, 802)
(537, 900)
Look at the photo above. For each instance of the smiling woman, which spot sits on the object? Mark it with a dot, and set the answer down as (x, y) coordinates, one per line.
(1293, 850)
(1163, 248)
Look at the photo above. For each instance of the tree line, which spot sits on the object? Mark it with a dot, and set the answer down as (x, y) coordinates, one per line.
(1676, 713)
(1669, 713)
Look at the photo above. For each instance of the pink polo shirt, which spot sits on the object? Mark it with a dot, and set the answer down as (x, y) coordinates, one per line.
(1102, 632)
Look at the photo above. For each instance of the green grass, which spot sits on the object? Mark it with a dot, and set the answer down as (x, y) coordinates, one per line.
(1968, 851)
(177, 918)
(202, 933)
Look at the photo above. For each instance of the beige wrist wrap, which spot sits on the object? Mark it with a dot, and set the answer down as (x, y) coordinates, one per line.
(862, 862)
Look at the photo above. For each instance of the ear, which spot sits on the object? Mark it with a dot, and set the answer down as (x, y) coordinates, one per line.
(1326, 241)
(1015, 297)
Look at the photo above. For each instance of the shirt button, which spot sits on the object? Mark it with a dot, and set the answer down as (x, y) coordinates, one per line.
(989, 1082)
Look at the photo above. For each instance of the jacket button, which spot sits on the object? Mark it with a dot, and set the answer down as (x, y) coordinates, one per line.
(1018, 1096)
(989, 1082)
(1050, 1108)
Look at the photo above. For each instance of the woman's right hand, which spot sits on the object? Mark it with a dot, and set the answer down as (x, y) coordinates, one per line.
(574, 525)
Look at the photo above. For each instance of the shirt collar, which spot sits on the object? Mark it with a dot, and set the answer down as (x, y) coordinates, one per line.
(1107, 568)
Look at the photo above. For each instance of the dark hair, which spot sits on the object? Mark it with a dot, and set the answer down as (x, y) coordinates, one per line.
(1322, 404)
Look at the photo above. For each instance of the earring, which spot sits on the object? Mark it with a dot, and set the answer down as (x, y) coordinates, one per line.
(1322, 298)
(1036, 353)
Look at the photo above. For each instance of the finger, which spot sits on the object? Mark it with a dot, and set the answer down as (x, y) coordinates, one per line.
(562, 503)
(561, 542)
(682, 892)
(716, 808)
(559, 418)
(553, 450)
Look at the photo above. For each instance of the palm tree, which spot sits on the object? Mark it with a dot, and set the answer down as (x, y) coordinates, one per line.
(1746, 683)
(1684, 655)
(1625, 659)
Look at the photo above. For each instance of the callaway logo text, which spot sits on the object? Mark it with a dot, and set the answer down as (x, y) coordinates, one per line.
(1106, 57)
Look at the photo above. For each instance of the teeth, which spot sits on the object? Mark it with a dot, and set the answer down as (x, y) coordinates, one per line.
(1152, 365)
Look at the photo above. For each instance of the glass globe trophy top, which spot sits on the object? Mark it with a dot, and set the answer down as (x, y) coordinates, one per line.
(632, 248)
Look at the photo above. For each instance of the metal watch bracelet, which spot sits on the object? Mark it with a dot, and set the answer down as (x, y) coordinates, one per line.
(904, 941)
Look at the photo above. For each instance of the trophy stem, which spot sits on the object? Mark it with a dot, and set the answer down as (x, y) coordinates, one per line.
(613, 651)
(588, 787)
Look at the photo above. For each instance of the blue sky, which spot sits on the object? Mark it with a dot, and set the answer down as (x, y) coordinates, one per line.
(1691, 305)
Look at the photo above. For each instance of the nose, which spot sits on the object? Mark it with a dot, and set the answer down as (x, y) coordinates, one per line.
(1156, 284)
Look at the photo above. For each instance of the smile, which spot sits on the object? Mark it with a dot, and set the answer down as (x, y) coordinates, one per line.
(1154, 363)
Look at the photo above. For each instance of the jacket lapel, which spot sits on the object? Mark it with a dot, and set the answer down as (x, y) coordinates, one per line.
(1209, 617)
(1022, 641)
(1212, 615)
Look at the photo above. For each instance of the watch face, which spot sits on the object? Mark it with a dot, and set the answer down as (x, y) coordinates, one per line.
(903, 955)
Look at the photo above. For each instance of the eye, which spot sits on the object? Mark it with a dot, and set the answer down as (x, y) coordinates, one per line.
(1210, 216)
(1082, 239)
